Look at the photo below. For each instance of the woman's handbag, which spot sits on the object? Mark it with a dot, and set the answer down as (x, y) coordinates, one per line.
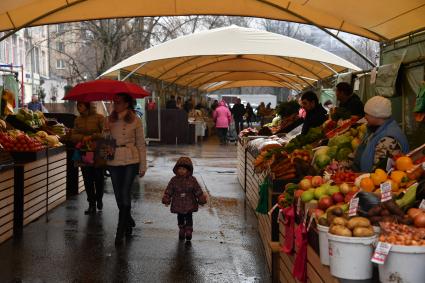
(105, 149)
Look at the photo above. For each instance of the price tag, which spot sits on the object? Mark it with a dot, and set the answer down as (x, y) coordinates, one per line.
(386, 191)
(381, 253)
(354, 206)
(422, 205)
(390, 164)
(298, 206)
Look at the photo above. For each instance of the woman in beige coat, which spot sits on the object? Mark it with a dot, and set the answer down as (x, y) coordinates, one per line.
(129, 159)
(90, 124)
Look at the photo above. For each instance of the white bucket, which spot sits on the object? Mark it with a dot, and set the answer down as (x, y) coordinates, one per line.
(404, 264)
(323, 244)
(349, 257)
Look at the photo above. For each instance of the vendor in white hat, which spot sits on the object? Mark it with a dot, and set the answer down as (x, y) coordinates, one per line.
(384, 138)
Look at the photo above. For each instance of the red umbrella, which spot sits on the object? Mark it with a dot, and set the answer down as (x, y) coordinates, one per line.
(104, 89)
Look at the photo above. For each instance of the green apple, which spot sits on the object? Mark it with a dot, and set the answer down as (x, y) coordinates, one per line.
(307, 196)
(320, 192)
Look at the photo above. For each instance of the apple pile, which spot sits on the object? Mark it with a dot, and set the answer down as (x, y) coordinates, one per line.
(16, 141)
(316, 192)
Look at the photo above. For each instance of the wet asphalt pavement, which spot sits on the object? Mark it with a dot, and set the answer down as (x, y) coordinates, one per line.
(68, 246)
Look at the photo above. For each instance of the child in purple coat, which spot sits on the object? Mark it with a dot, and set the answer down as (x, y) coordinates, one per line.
(184, 194)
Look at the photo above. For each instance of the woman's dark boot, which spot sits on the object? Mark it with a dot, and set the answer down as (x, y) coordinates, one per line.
(121, 229)
(91, 209)
(130, 224)
(182, 232)
(188, 232)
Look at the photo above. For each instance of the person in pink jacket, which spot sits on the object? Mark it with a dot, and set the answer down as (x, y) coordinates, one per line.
(222, 118)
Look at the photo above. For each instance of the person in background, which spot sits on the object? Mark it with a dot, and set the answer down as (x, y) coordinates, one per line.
(315, 115)
(238, 111)
(261, 112)
(90, 124)
(129, 159)
(214, 105)
(151, 104)
(35, 105)
(184, 194)
(222, 118)
(384, 138)
(171, 104)
(188, 104)
(249, 114)
(348, 100)
(179, 103)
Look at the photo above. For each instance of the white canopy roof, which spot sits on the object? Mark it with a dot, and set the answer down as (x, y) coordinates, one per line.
(235, 54)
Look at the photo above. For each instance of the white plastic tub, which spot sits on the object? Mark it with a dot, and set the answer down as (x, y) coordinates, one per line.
(323, 244)
(349, 257)
(404, 264)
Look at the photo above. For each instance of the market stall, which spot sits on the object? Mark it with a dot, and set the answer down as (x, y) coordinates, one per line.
(334, 222)
(33, 168)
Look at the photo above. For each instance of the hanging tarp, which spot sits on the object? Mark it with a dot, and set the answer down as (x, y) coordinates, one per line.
(386, 80)
(379, 20)
(344, 78)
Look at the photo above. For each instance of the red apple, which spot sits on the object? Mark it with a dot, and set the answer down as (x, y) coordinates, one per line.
(305, 184)
(338, 197)
(317, 181)
(318, 212)
(348, 197)
(308, 177)
(325, 202)
(298, 193)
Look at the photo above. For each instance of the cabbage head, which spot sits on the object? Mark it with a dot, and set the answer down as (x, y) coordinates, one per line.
(322, 160)
(332, 151)
(343, 153)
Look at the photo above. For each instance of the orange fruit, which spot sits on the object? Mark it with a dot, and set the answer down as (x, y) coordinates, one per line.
(397, 176)
(403, 163)
(367, 184)
(379, 177)
(394, 186)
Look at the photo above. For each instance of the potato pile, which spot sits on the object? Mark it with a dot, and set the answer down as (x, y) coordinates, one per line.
(353, 227)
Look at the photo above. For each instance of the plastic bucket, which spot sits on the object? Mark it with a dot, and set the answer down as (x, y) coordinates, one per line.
(349, 257)
(404, 264)
(323, 244)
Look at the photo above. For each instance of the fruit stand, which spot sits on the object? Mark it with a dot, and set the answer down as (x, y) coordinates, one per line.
(35, 181)
(333, 222)
(40, 186)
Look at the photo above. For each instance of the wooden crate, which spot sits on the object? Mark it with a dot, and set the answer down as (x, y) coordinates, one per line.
(6, 204)
(81, 187)
(56, 183)
(316, 272)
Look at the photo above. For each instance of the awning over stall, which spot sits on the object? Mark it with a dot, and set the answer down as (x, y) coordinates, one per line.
(380, 20)
(243, 56)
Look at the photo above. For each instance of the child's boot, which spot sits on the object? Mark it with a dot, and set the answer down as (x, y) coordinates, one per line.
(188, 233)
(182, 232)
